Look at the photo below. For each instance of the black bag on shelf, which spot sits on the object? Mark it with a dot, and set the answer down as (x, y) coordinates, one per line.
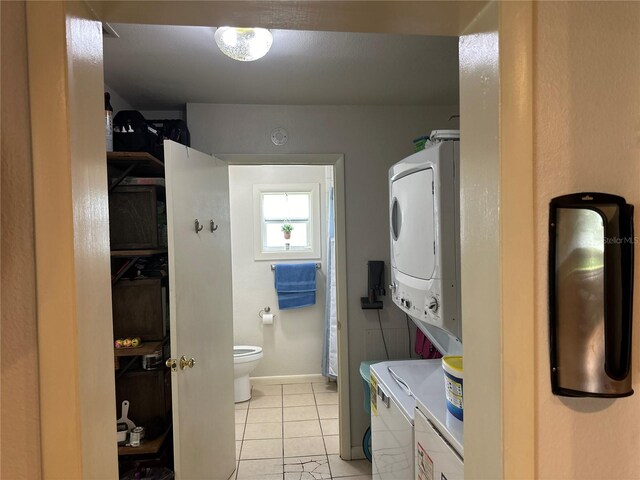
(175, 130)
(132, 133)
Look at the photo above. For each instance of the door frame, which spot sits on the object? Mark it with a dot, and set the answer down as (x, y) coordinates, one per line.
(336, 161)
(73, 307)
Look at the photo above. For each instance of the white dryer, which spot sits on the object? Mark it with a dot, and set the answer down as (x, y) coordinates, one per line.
(424, 215)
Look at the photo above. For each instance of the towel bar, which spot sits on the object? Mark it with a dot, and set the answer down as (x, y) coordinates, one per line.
(273, 266)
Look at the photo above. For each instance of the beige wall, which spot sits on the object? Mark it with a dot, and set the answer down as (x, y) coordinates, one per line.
(587, 138)
(75, 333)
(293, 344)
(20, 411)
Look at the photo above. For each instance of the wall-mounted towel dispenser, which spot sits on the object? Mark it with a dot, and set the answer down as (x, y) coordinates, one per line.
(591, 248)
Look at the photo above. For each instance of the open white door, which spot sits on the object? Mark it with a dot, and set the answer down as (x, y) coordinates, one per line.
(200, 313)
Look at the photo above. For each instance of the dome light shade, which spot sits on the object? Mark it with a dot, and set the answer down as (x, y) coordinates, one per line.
(244, 44)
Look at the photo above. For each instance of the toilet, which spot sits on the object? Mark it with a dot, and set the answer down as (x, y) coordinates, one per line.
(245, 360)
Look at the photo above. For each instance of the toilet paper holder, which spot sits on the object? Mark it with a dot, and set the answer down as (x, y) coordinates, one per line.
(263, 311)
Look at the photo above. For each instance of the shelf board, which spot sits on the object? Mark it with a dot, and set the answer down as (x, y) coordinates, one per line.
(146, 447)
(138, 253)
(146, 165)
(144, 349)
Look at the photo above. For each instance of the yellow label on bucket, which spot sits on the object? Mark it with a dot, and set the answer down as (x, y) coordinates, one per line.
(374, 395)
(452, 386)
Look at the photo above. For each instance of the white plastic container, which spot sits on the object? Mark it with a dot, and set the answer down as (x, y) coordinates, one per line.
(452, 366)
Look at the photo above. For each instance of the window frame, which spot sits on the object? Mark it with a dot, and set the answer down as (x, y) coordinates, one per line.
(315, 222)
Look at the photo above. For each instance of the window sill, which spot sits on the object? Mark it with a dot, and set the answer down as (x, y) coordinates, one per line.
(288, 255)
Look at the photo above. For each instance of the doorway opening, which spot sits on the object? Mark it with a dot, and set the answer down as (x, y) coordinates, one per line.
(283, 214)
(298, 377)
(57, 319)
(373, 127)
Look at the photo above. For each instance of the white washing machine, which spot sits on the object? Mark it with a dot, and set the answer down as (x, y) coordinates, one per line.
(402, 391)
(439, 452)
(392, 410)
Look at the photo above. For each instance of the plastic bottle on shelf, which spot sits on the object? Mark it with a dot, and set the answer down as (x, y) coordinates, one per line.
(108, 121)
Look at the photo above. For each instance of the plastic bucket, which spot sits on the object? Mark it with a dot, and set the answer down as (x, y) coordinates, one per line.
(364, 373)
(452, 366)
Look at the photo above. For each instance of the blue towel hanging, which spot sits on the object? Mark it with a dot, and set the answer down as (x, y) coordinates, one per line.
(295, 285)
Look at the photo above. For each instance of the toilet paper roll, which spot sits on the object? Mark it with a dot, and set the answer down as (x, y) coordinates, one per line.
(267, 318)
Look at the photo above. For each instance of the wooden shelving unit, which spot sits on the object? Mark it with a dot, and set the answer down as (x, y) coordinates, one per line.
(146, 165)
(142, 164)
(147, 390)
(144, 349)
(146, 447)
(138, 253)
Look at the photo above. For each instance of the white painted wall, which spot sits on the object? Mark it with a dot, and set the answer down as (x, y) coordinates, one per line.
(586, 104)
(119, 103)
(293, 344)
(372, 139)
(163, 114)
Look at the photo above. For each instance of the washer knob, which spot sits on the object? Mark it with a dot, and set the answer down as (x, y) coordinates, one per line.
(433, 304)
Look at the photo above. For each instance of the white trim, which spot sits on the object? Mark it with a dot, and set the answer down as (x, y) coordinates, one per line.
(284, 159)
(288, 379)
(344, 414)
(337, 161)
(357, 453)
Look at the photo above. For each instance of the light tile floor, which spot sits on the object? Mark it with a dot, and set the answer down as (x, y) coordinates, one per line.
(290, 432)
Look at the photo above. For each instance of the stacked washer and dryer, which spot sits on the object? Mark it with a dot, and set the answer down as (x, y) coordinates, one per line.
(414, 436)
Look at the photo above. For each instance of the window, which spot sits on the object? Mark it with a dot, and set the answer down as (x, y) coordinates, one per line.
(287, 221)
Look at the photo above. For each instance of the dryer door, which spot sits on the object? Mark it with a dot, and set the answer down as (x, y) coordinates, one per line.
(413, 224)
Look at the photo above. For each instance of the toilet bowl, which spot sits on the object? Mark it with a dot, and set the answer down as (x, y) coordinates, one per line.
(245, 360)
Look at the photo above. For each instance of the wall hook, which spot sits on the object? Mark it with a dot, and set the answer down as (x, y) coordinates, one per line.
(198, 226)
(213, 225)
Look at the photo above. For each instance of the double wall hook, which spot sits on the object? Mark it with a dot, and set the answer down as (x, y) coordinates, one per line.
(213, 226)
(198, 226)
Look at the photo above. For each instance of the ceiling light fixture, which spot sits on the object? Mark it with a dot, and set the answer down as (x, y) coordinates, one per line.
(244, 44)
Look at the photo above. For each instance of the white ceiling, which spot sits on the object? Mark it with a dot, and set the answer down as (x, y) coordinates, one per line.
(164, 67)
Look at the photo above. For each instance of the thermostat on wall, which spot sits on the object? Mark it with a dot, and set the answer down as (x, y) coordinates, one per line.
(279, 136)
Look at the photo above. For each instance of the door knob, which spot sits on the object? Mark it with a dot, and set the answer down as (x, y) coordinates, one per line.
(172, 363)
(184, 363)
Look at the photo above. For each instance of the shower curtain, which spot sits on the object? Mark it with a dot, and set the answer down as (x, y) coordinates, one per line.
(330, 350)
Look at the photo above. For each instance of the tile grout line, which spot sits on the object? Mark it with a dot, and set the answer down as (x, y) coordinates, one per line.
(326, 455)
(282, 407)
(282, 425)
(244, 427)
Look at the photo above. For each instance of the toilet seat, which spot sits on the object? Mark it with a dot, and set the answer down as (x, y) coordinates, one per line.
(246, 353)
